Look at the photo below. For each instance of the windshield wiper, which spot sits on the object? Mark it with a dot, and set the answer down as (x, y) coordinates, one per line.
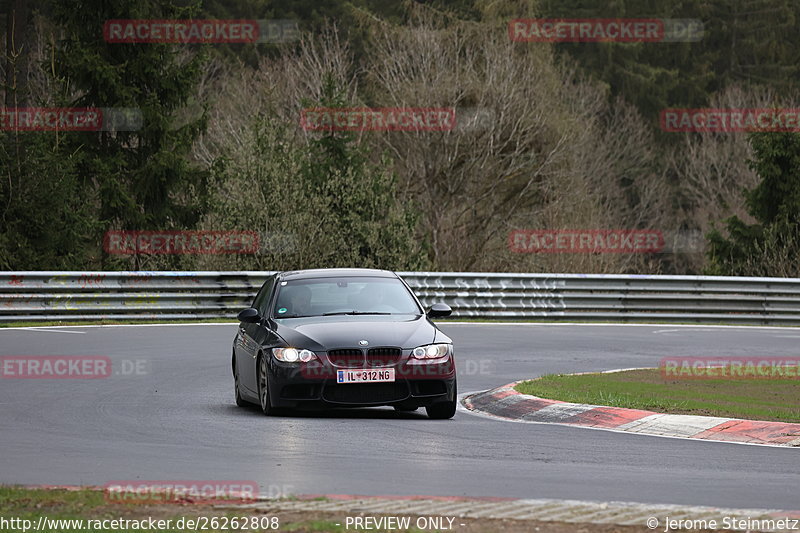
(294, 315)
(355, 313)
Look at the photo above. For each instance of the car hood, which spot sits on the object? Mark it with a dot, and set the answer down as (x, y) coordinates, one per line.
(321, 334)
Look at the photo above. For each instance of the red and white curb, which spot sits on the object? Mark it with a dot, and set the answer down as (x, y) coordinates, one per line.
(507, 404)
(544, 510)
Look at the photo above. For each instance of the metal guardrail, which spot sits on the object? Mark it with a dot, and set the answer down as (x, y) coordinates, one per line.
(49, 296)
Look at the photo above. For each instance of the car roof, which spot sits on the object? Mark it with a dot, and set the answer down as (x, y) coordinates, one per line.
(336, 273)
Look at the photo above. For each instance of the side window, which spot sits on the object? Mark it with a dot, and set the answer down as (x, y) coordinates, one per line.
(262, 298)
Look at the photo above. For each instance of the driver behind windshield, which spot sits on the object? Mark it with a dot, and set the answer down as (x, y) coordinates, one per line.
(299, 300)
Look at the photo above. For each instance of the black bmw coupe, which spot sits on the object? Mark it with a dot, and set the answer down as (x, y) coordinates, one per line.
(343, 338)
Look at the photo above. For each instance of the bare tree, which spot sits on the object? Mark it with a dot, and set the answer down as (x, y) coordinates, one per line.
(546, 156)
(712, 168)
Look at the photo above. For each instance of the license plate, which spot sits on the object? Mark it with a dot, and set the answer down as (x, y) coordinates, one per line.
(365, 376)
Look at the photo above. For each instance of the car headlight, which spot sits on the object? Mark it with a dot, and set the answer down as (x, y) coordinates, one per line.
(432, 351)
(293, 355)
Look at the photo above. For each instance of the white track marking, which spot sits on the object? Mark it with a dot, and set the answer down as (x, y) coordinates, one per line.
(632, 325)
(43, 330)
(675, 425)
(203, 324)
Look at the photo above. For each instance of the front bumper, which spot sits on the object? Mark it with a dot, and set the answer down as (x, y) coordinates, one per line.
(417, 384)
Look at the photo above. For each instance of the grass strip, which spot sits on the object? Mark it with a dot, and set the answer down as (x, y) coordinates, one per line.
(753, 399)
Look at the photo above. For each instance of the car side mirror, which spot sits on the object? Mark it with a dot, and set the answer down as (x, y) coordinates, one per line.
(439, 310)
(249, 315)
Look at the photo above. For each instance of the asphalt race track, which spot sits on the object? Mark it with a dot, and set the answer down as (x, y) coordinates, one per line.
(174, 419)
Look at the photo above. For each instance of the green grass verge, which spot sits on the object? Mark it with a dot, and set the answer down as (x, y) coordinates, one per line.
(754, 399)
(22, 504)
(30, 504)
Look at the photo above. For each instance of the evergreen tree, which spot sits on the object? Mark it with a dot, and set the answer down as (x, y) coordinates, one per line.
(772, 245)
(748, 42)
(141, 178)
(46, 215)
(375, 228)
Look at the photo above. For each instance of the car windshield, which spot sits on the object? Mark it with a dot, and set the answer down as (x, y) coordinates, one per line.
(344, 296)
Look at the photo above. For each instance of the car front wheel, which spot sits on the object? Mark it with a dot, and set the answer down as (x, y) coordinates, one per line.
(239, 400)
(443, 410)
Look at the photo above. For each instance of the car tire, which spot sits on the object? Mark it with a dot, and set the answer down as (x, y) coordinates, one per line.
(239, 400)
(264, 396)
(443, 410)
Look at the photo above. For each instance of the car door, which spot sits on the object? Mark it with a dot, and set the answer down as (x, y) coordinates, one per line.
(247, 345)
(262, 337)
